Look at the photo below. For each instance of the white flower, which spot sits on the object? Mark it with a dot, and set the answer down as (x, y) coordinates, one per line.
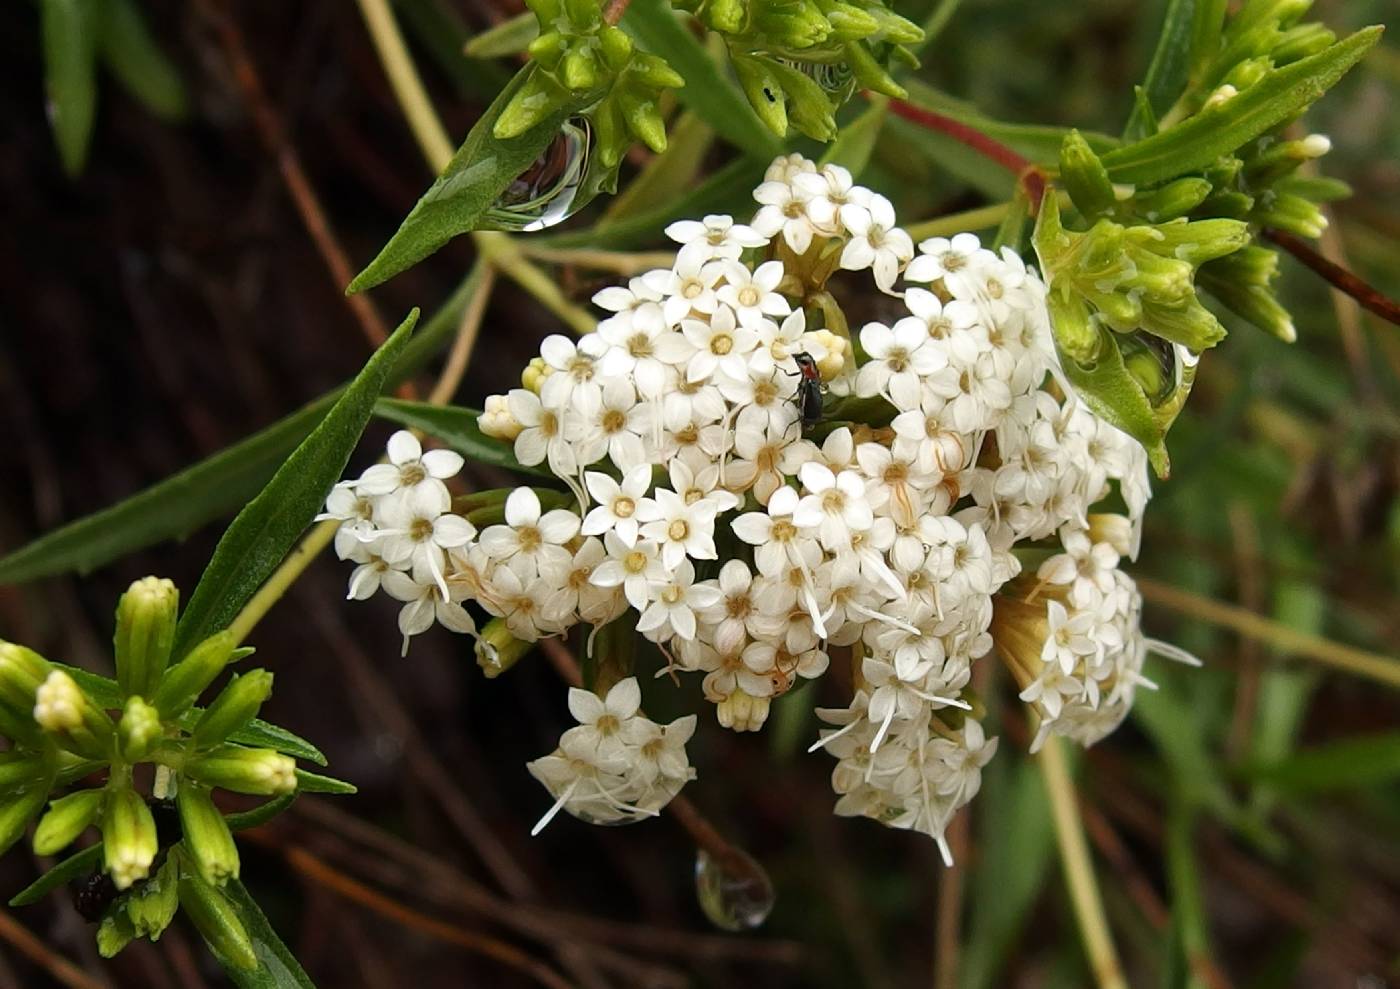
(835, 505)
(1069, 637)
(679, 527)
(639, 348)
(753, 294)
(425, 602)
(526, 602)
(900, 359)
(611, 423)
(410, 468)
(602, 720)
(414, 530)
(530, 543)
(633, 568)
(784, 210)
(573, 367)
(674, 605)
(875, 240)
(720, 344)
(827, 191)
(948, 259)
(542, 435)
(688, 288)
(716, 236)
(616, 510)
(785, 168)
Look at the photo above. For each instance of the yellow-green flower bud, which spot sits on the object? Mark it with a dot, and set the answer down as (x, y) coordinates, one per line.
(848, 23)
(1173, 199)
(235, 706)
(151, 906)
(497, 650)
(206, 835)
(808, 107)
(581, 71)
(261, 772)
(870, 73)
(217, 920)
(129, 841)
(548, 49)
(114, 933)
(643, 118)
(537, 98)
(764, 91)
(186, 680)
(615, 47)
(16, 813)
(725, 16)
(63, 710)
(66, 819)
(21, 672)
(532, 377)
(1084, 177)
(138, 729)
(146, 616)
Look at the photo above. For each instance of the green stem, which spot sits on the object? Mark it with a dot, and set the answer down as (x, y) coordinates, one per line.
(982, 218)
(1079, 868)
(283, 578)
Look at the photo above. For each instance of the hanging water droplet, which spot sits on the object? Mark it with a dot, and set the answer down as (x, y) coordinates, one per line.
(736, 895)
(547, 192)
(1155, 363)
(835, 78)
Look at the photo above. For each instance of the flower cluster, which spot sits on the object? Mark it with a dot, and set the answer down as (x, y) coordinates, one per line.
(695, 503)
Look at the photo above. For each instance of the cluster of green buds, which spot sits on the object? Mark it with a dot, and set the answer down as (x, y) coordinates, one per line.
(800, 60)
(1124, 262)
(112, 739)
(578, 54)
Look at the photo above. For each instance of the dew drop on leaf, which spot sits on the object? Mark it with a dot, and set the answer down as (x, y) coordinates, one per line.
(547, 192)
(736, 895)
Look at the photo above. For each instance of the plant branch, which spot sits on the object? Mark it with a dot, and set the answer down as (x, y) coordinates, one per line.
(426, 125)
(615, 10)
(286, 574)
(981, 218)
(1079, 868)
(465, 341)
(1028, 174)
(1337, 276)
(1384, 669)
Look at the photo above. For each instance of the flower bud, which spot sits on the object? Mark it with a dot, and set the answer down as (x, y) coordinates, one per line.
(187, 679)
(741, 711)
(725, 16)
(217, 921)
(261, 772)
(235, 706)
(870, 73)
(206, 835)
(146, 616)
(497, 650)
(114, 933)
(548, 48)
(1240, 282)
(1173, 199)
(151, 906)
(581, 71)
(535, 100)
(16, 813)
(21, 672)
(129, 841)
(643, 117)
(532, 377)
(496, 420)
(849, 23)
(835, 352)
(763, 90)
(62, 709)
(138, 728)
(615, 46)
(1085, 177)
(808, 107)
(1114, 529)
(67, 818)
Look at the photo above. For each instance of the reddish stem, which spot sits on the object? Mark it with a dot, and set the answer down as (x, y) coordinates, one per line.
(1369, 297)
(1028, 174)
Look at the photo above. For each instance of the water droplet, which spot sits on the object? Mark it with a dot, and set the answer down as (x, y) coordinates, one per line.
(835, 78)
(547, 192)
(736, 895)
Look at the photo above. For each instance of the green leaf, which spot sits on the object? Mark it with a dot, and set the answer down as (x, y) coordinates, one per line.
(215, 487)
(260, 814)
(856, 141)
(105, 692)
(277, 966)
(1352, 763)
(1113, 394)
(73, 867)
(456, 426)
(132, 55)
(265, 530)
(507, 38)
(308, 782)
(1279, 97)
(711, 95)
(1167, 73)
(471, 183)
(70, 29)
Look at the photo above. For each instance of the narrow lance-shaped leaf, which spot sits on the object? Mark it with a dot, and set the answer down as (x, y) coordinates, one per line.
(1278, 97)
(707, 92)
(213, 488)
(1168, 71)
(70, 29)
(471, 183)
(277, 966)
(131, 53)
(265, 530)
(457, 427)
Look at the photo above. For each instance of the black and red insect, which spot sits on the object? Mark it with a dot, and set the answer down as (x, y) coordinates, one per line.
(809, 389)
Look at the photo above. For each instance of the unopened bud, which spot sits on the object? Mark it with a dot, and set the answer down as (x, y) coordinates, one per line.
(66, 819)
(1084, 177)
(114, 933)
(235, 706)
(741, 711)
(62, 709)
(1220, 97)
(138, 728)
(146, 616)
(206, 835)
(532, 377)
(152, 905)
(17, 811)
(764, 91)
(496, 420)
(261, 772)
(187, 679)
(217, 921)
(129, 841)
(21, 672)
(497, 650)
(835, 351)
(1114, 529)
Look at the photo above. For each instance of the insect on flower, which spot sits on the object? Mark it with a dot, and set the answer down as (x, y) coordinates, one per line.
(809, 389)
